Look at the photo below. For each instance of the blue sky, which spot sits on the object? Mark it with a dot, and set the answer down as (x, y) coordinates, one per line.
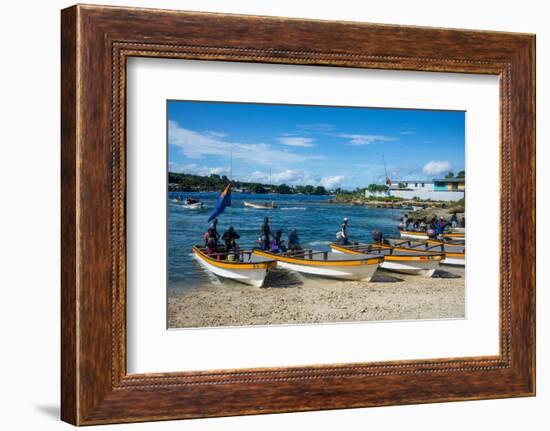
(328, 146)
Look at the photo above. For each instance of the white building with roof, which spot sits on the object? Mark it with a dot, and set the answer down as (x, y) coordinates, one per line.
(447, 189)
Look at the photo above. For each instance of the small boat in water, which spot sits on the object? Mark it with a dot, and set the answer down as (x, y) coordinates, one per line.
(326, 264)
(241, 265)
(188, 203)
(455, 252)
(265, 206)
(413, 262)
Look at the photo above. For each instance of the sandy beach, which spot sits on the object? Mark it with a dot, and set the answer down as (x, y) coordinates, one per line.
(292, 299)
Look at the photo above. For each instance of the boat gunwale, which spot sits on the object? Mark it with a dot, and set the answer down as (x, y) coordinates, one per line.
(234, 265)
(309, 262)
(429, 255)
(444, 235)
(446, 253)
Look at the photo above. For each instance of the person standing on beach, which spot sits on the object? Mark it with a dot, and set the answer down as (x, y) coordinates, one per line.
(266, 234)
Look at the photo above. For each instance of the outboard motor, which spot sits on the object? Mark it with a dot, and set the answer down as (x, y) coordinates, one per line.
(377, 236)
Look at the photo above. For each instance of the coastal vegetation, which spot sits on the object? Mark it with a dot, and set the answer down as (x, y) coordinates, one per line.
(214, 183)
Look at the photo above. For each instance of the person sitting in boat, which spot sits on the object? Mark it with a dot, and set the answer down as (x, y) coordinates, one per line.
(343, 236)
(422, 225)
(230, 237)
(410, 225)
(213, 226)
(433, 222)
(454, 220)
(266, 235)
(293, 241)
(191, 201)
(440, 225)
(378, 237)
(277, 245)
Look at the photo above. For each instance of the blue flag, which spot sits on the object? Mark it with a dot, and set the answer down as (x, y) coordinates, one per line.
(224, 200)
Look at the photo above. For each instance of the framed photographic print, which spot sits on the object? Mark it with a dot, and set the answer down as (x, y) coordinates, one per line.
(267, 215)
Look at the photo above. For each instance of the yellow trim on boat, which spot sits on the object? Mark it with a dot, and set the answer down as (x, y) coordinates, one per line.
(446, 253)
(233, 265)
(430, 255)
(310, 262)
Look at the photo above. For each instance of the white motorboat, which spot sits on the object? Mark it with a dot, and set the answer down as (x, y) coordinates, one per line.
(242, 266)
(395, 259)
(326, 264)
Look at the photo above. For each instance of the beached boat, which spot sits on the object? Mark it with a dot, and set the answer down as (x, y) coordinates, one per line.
(455, 253)
(412, 234)
(455, 236)
(414, 262)
(260, 206)
(247, 267)
(326, 264)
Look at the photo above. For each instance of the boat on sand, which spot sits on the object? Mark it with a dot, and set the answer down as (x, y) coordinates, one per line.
(455, 252)
(326, 264)
(395, 259)
(456, 236)
(243, 266)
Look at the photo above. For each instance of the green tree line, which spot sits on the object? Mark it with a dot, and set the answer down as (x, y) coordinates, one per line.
(214, 182)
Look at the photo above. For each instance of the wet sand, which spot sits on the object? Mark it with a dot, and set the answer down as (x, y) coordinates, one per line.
(289, 298)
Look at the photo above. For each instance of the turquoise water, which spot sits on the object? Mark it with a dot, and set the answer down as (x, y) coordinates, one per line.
(316, 221)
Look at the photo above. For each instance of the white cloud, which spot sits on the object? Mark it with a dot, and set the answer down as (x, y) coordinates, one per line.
(296, 141)
(196, 145)
(294, 177)
(359, 139)
(332, 182)
(436, 167)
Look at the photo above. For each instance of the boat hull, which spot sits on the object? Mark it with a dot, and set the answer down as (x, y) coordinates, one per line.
(403, 265)
(259, 207)
(454, 261)
(415, 235)
(353, 273)
(252, 277)
(360, 269)
(425, 269)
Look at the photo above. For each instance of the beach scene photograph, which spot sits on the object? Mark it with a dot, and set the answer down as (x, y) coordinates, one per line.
(299, 214)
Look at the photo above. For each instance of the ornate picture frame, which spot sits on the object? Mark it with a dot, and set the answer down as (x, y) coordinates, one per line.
(96, 41)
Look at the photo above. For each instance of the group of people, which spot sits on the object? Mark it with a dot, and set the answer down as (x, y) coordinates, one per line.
(229, 237)
(267, 240)
(435, 225)
(274, 242)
